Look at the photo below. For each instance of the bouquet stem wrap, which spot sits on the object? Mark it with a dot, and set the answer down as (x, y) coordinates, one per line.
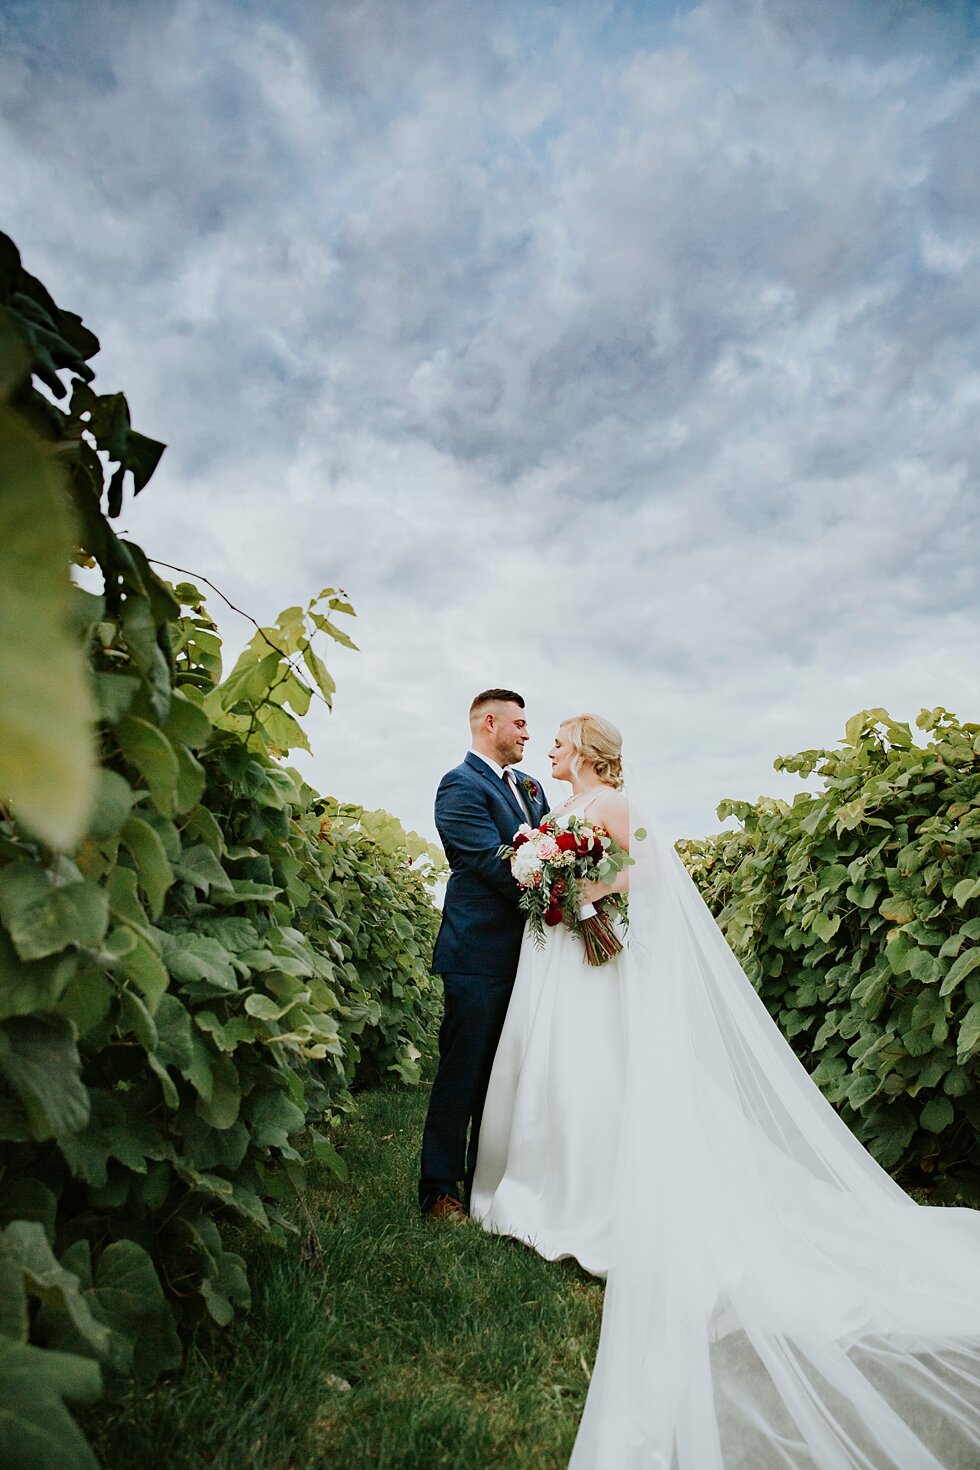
(599, 938)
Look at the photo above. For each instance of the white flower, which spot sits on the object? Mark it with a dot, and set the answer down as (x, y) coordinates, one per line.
(525, 863)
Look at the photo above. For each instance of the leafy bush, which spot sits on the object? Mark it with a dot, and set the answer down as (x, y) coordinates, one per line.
(856, 914)
(200, 957)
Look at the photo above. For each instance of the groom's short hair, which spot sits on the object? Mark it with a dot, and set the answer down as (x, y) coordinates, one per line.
(495, 696)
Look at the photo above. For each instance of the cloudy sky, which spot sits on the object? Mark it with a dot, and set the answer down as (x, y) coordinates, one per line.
(622, 353)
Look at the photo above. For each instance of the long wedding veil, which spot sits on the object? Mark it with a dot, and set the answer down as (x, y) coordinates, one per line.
(775, 1301)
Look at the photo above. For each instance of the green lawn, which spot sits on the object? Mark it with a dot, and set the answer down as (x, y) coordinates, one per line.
(413, 1345)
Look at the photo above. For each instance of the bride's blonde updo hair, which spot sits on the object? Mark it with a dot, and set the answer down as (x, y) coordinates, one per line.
(597, 740)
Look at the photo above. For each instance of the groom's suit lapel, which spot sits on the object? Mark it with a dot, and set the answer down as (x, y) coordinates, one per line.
(536, 804)
(503, 788)
(540, 802)
(499, 786)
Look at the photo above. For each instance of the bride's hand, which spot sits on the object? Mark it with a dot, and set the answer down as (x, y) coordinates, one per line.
(591, 892)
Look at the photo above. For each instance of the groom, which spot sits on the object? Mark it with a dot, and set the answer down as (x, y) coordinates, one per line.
(479, 806)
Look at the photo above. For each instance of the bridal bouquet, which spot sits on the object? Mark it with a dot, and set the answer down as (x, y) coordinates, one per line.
(549, 863)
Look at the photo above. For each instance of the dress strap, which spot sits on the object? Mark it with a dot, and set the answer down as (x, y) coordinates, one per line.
(570, 807)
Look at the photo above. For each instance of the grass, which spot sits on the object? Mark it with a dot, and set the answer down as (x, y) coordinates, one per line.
(413, 1345)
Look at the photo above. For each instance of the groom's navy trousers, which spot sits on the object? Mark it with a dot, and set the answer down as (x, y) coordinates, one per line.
(476, 954)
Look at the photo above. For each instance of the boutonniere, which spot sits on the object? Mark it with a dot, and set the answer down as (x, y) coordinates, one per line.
(530, 788)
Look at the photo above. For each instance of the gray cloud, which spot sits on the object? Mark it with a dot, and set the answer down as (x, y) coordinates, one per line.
(627, 354)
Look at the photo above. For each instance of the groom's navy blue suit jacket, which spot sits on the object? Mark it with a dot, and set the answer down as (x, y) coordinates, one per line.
(476, 813)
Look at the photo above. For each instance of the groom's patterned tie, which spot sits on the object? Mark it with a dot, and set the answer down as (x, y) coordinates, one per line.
(515, 790)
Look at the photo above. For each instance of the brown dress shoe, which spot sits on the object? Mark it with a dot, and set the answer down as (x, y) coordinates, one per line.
(448, 1207)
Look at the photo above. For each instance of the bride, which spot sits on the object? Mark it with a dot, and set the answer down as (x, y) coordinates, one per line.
(544, 1169)
(774, 1300)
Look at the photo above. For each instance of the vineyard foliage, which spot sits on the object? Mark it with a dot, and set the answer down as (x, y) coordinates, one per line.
(200, 957)
(856, 914)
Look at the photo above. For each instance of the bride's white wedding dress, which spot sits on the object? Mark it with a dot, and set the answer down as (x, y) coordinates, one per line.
(547, 1152)
(775, 1301)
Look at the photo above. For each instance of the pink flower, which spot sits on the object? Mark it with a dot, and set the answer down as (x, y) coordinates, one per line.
(547, 849)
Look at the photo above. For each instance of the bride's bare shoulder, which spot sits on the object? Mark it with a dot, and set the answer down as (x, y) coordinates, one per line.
(611, 808)
(610, 798)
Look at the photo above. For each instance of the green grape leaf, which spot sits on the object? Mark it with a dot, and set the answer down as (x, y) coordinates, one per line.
(194, 957)
(40, 1064)
(959, 969)
(191, 779)
(937, 1114)
(43, 916)
(228, 1035)
(221, 1108)
(131, 1300)
(112, 1132)
(36, 1429)
(114, 798)
(966, 889)
(198, 865)
(25, 1247)
(968, 1038)
(86, 1000)
(47, 756)
(174, 1035)
(186, 724)
(149, 750)
(144, 967)
(114, 693)
(148, 853)
(27, 986)
(274, 1119)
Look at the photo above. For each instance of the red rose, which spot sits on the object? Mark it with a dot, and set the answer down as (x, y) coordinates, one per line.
(544, 827)
(520, 838)
(566, 842)
(558, 888)
(552, 915)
